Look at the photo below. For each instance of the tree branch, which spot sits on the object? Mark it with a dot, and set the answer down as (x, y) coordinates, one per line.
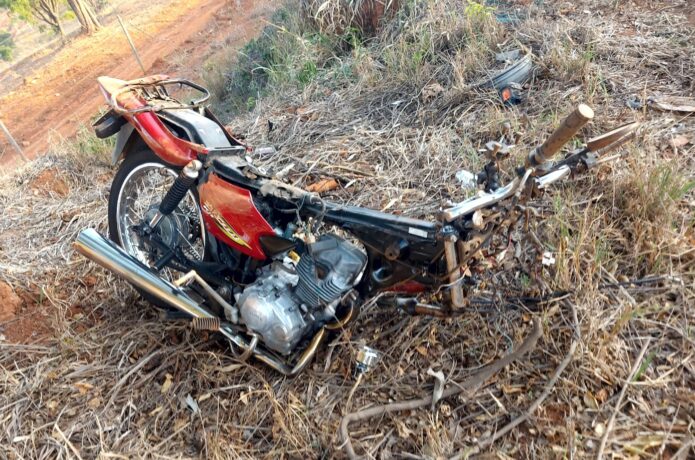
(469, 385)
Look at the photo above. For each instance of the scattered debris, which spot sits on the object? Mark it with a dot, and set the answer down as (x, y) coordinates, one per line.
(548, 259)
(322, 186)
(518, 72)
(672, 103)
(366, 360)
(634, 102)
(467, 179)
(192, 404)
(508, 56)
(438, 386)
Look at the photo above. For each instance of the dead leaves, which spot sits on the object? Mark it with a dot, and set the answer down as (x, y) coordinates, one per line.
(322, 186)
(83, 387)
(590, 401)
(672, 103)
(679, 141)
(166, 386)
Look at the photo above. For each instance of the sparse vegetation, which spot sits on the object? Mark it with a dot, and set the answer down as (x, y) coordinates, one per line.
(6, 45)
(392, 116)
(285, 56)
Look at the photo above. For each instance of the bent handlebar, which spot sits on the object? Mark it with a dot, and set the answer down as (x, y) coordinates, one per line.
(569, 127)
(566, 131)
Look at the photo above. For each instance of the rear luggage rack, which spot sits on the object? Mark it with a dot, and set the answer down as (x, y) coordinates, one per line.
(156, 90)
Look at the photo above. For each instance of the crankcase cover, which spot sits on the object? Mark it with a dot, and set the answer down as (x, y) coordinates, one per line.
(268, 309)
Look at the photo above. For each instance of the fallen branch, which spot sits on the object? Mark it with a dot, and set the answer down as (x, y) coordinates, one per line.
(609, 426)
(469, 385)
(536, 404)
(117, 387)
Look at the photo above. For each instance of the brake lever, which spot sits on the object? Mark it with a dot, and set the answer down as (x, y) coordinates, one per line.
(592, 154)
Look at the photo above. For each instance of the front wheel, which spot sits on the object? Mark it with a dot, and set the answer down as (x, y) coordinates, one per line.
(138, 188)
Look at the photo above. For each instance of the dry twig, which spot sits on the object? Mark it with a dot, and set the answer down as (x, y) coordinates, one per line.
(469, 386)
(611, 421)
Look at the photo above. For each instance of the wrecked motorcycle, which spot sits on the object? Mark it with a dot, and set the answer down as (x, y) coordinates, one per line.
(202, 232)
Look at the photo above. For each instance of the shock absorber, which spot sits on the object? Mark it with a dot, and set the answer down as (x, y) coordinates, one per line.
(183, 183)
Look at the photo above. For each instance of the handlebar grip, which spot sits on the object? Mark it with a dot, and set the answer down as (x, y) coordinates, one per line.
(569, 127)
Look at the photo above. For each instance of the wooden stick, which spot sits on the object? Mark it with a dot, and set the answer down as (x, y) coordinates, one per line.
(132, 45)
(469, 385)
(546, 391)
(635, 367)
(536, 404)
(13, 142)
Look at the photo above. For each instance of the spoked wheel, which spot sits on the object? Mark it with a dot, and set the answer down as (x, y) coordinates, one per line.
(141, 183)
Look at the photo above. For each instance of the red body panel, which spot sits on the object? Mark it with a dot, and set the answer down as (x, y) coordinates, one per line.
(407, 287)
(162, 141)
(156, 135)
(231, 216)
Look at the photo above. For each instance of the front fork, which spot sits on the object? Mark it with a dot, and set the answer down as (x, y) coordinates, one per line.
(453, 268)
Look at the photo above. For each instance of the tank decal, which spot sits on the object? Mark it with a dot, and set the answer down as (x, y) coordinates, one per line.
(231, 216)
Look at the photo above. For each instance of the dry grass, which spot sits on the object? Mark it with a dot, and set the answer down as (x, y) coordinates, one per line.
(337, 17)
(112, 379)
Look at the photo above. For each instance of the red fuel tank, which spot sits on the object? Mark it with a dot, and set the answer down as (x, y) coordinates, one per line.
(231, 216)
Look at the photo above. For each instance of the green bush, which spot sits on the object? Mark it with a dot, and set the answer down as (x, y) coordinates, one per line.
(6, 46)
(286, 54)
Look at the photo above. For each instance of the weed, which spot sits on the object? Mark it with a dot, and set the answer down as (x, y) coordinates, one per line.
(643, 367)
(6, 45)
(478, 11)
(285, 55)
(570, 64)
(87, 143)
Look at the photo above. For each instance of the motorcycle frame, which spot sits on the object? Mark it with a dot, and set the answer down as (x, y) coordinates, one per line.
(404, 256)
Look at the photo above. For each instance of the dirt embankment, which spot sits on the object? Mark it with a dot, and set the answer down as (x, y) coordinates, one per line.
(174, 37)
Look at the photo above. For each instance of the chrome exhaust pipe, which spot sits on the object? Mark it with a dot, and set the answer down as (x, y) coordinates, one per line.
(271, 360)
(104, 252)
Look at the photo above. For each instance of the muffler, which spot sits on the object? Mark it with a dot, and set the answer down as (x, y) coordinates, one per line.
(106, 253)
(92, 245)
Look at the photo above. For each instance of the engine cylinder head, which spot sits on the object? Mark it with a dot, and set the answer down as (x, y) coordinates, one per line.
(330, 268)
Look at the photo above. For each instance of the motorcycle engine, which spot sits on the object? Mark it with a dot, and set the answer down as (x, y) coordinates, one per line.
(284, 302)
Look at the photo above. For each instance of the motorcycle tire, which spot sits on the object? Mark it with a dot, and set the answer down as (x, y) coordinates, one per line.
(133, 162)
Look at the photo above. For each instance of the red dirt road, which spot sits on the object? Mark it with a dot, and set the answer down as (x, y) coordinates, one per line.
(172, 38)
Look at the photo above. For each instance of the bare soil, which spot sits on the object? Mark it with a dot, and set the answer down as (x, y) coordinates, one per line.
(171, 38)
(9, 302)
(49, 182)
